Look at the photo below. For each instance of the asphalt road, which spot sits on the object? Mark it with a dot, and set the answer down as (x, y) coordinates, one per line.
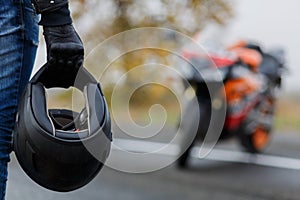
(206, 179)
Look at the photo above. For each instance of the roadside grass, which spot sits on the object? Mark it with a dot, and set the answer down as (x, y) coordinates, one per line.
(287, 115)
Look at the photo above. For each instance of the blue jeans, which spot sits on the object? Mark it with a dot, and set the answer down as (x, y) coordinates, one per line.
(18, 45)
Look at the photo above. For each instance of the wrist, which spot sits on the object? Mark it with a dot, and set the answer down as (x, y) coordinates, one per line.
(54, 12)
(57, 18)
(47, 6)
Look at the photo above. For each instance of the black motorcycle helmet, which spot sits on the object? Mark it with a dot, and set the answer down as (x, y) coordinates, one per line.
(60, 149)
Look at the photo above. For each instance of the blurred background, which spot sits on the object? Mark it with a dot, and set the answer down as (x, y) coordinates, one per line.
(271, 24)
(228, 172)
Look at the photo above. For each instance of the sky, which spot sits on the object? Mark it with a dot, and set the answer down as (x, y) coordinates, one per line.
(272, 23)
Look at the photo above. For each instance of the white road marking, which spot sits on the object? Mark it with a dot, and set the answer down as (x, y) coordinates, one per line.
(139, 146)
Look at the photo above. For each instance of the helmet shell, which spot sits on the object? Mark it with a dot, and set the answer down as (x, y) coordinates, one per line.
(58, 164)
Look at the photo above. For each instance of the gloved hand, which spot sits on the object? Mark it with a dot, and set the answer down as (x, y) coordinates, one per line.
(64, 47)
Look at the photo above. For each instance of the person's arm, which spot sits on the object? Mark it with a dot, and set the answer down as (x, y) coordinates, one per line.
(64, 46)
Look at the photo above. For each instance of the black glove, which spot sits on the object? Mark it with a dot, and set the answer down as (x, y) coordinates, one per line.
(43, 6)
(64, 47)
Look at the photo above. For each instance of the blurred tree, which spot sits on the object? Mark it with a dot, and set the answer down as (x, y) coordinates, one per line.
(108, 17)
(97, 20)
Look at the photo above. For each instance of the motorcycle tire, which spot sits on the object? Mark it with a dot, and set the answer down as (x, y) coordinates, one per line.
(256, 139)
(182, 162)
(199, 135)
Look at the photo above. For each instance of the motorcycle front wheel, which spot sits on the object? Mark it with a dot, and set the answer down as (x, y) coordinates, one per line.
(194, 128)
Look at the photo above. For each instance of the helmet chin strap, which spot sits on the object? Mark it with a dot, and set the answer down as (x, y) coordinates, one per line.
(66, 115)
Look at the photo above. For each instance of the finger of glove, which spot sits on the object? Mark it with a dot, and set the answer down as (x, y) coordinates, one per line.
(66, 55)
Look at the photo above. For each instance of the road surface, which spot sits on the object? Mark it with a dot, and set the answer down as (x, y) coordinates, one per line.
(206, 179)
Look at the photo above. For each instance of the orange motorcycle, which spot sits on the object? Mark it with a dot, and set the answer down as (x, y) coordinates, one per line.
(249, 81)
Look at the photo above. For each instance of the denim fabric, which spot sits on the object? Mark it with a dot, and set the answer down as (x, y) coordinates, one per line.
(18, 44)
